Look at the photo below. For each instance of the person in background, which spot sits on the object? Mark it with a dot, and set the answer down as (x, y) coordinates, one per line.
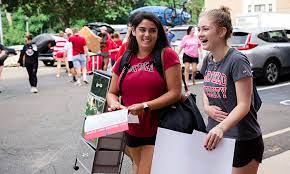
(191, 45)
(29, 58)
(125, 40)
(228, 93)
(3, 56)
(58, 53)
(169, 34)
(114, 47)
(80, 51)
(146, 37)
(68, 54)
(105, 44)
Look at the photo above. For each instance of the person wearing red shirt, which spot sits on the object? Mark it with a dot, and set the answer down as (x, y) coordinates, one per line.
(80, 51)
(144, 90)
(105, 44)
(115, 47)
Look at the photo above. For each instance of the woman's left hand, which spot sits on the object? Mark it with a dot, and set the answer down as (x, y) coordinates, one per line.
(136, 109)
(213, 137)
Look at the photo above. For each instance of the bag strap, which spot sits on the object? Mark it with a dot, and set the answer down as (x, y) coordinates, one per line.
(160, 60)
(124, 66)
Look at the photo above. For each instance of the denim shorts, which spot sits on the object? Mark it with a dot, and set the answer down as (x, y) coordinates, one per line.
(79, 61)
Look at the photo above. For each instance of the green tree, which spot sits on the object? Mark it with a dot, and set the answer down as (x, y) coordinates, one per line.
(195, 7)
(14, 34)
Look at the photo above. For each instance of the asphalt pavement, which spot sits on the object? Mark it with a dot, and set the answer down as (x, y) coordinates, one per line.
(40, 133)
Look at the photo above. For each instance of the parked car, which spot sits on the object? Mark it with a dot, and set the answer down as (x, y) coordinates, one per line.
(45, 43)
(121, 29)
(95, 27)
(268, 50)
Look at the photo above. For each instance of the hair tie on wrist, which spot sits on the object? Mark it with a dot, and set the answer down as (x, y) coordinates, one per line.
(220, 127)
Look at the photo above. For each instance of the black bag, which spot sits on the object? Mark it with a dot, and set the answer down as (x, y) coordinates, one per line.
(257, 100)
(183, 116)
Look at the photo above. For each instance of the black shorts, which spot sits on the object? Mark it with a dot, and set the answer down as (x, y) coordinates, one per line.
(247, 150)
(1, 62)
(70, 64)
(189, 59)
(133, 141)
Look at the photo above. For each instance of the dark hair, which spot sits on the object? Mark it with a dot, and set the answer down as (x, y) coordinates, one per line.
(189, 29)
(221, 17)
(115, 35)
(131, 18)
(28, 36)
(161, 41)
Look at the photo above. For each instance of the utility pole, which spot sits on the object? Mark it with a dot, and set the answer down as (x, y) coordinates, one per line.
(1, 29)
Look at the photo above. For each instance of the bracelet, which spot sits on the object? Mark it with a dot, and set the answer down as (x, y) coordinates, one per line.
(220, 127)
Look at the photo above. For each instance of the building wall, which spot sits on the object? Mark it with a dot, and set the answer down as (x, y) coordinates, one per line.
(239, 7)
(283, 6)
(234, 5)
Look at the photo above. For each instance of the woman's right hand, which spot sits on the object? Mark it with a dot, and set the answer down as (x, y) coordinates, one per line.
(115, 106)
(215, 113)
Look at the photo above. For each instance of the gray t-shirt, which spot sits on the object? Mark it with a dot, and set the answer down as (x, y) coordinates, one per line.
(219, 86)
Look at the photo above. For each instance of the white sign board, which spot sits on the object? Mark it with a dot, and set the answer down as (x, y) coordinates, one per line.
(106, 124)
(177, 152)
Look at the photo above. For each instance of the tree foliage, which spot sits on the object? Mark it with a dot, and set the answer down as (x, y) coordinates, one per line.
(56, 15)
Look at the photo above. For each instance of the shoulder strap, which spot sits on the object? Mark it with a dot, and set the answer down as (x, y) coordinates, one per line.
(124, 59)
(157, 61)
(124, 67)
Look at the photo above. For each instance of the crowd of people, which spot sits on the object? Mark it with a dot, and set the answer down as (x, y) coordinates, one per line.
(227, 90)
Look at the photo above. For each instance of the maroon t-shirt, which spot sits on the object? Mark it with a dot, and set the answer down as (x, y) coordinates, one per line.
(78, 43)
(143, 83)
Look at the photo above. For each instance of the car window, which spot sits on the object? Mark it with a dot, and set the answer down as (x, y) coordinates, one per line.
(179, 34)
(238, 38)
(277, 36)
(288, 34)
(264, 36)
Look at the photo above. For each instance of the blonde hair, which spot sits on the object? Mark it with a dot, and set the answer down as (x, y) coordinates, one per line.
(222, 18)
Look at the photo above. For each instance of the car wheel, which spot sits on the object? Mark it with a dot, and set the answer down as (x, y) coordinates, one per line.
(48, 63)
(271, 72)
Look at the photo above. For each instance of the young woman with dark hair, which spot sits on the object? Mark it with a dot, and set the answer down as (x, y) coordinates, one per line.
(144, 90)
(29, 58)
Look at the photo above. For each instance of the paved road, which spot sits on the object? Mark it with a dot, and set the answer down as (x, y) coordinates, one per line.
(39, 133)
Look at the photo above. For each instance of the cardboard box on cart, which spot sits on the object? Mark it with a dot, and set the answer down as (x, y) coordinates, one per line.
(94, 62)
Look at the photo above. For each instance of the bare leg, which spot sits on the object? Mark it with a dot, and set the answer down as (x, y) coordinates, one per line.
(186, 71)
(1, 69)
(194, 69)
(136, 156)
(106, 62)
(146, 159)
(67, 67)
(251, 168)
(58, 67)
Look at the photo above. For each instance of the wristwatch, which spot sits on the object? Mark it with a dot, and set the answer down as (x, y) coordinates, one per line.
(145, 107)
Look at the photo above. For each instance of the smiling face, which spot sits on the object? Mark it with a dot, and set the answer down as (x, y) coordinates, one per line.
(146, 35)
(210, 35)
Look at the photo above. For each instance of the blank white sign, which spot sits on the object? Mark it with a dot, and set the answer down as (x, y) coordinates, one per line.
(177, 152)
